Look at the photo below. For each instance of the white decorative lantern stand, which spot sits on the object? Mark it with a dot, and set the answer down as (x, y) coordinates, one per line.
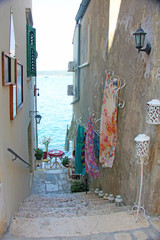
(142, 149)
(153, 112)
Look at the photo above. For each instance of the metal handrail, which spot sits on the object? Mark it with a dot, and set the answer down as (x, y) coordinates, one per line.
(17, 156)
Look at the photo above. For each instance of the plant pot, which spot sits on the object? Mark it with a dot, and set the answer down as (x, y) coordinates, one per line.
(38, 158)
(44, 155)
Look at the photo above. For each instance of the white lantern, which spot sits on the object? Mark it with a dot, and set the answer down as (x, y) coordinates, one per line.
(142, 144)
(153, 112)
(142, 149)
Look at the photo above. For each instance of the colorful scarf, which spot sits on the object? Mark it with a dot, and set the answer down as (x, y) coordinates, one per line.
(108, 127)
(96, 145)
(90, 165)
(83, 151)
(66, 146)
(79, 166)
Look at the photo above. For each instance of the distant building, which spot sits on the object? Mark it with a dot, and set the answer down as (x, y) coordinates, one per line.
(17, 105)
(103, 40)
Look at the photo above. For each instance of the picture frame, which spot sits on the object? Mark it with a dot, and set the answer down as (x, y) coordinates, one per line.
(19, 83)
(13, 101)
(6, 69)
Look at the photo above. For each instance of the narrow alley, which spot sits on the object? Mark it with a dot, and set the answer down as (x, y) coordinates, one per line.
(53, 212)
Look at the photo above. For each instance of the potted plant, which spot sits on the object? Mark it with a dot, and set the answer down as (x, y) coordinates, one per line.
(46, 141)
(38, 153)
(78, 186)
(65, 161)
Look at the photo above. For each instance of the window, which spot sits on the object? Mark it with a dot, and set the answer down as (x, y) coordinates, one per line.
(31, 51)
(13, 101)
(19, 83)
(12, 36)
(6, 69)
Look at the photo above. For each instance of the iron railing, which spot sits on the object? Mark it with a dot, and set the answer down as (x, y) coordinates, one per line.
(17, 156)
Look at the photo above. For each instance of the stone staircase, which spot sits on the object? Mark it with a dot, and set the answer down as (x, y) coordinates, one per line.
(66, 214)
(52, 212)
(65, 205)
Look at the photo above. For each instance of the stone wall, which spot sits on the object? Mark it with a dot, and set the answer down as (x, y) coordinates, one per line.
(112, 47)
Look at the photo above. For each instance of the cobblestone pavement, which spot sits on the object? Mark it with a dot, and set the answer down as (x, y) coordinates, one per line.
(51, 181)
(53, 213)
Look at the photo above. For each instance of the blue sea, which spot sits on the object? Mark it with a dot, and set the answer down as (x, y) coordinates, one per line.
(54, 105)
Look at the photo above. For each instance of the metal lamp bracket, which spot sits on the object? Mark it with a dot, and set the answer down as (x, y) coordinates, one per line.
(147, 49)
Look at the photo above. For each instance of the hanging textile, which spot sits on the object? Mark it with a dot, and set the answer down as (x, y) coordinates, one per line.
(90, 165)
(83, 151)
(108, 127)
(73, 130)
(66, 146)
(79, 166)
(96, 145)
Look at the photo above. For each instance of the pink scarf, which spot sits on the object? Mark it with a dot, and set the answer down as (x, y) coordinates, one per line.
(90, 165)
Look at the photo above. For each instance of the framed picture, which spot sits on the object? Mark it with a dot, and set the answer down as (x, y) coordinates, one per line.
(19, 83)
(6, 69)
(13, 101)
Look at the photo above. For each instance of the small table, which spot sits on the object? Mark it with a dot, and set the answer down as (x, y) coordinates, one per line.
(56, 154)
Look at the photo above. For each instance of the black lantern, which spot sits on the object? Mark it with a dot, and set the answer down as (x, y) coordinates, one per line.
(38, 118)
(139, 40)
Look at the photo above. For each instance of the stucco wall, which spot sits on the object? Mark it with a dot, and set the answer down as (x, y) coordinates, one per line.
(112, 47)
(14, 175)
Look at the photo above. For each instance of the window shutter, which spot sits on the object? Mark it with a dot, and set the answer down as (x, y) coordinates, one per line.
(31, 51)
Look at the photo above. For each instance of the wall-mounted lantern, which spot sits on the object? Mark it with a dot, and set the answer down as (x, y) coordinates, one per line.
(153, 112)
(38, 118)
(139, 41)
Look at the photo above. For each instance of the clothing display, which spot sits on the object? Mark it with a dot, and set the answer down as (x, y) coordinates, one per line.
(90, 165)
(66, 146)
(83, 151)
(79, 166)
(73, 130)
(96, 145)
(108, 127)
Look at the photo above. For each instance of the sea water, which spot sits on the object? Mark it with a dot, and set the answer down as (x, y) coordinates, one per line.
(54, 105)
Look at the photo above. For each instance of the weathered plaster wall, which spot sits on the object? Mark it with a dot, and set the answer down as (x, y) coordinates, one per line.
(14, 175)
(112, 46)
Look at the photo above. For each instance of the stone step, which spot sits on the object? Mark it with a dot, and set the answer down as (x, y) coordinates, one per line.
(64, 199)
(68, 212)
(84, 227)
(65, 205)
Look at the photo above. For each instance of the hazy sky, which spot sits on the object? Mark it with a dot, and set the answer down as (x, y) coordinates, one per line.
(54, 21)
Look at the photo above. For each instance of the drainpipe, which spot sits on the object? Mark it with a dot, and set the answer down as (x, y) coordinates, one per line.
(89, 49)
(80, 14)
(36, 112)
(78, 69)
(83, 64)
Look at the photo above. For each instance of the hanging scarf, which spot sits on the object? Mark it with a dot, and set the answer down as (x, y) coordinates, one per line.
(79, 166)
(73, 130)
(90, 165)
(83, 151)
(96, 145)
(66, 146)
(108, 127)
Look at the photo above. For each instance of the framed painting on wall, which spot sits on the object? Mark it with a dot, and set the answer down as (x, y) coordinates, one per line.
(19, 83)
(6, 69)
(13, 101)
